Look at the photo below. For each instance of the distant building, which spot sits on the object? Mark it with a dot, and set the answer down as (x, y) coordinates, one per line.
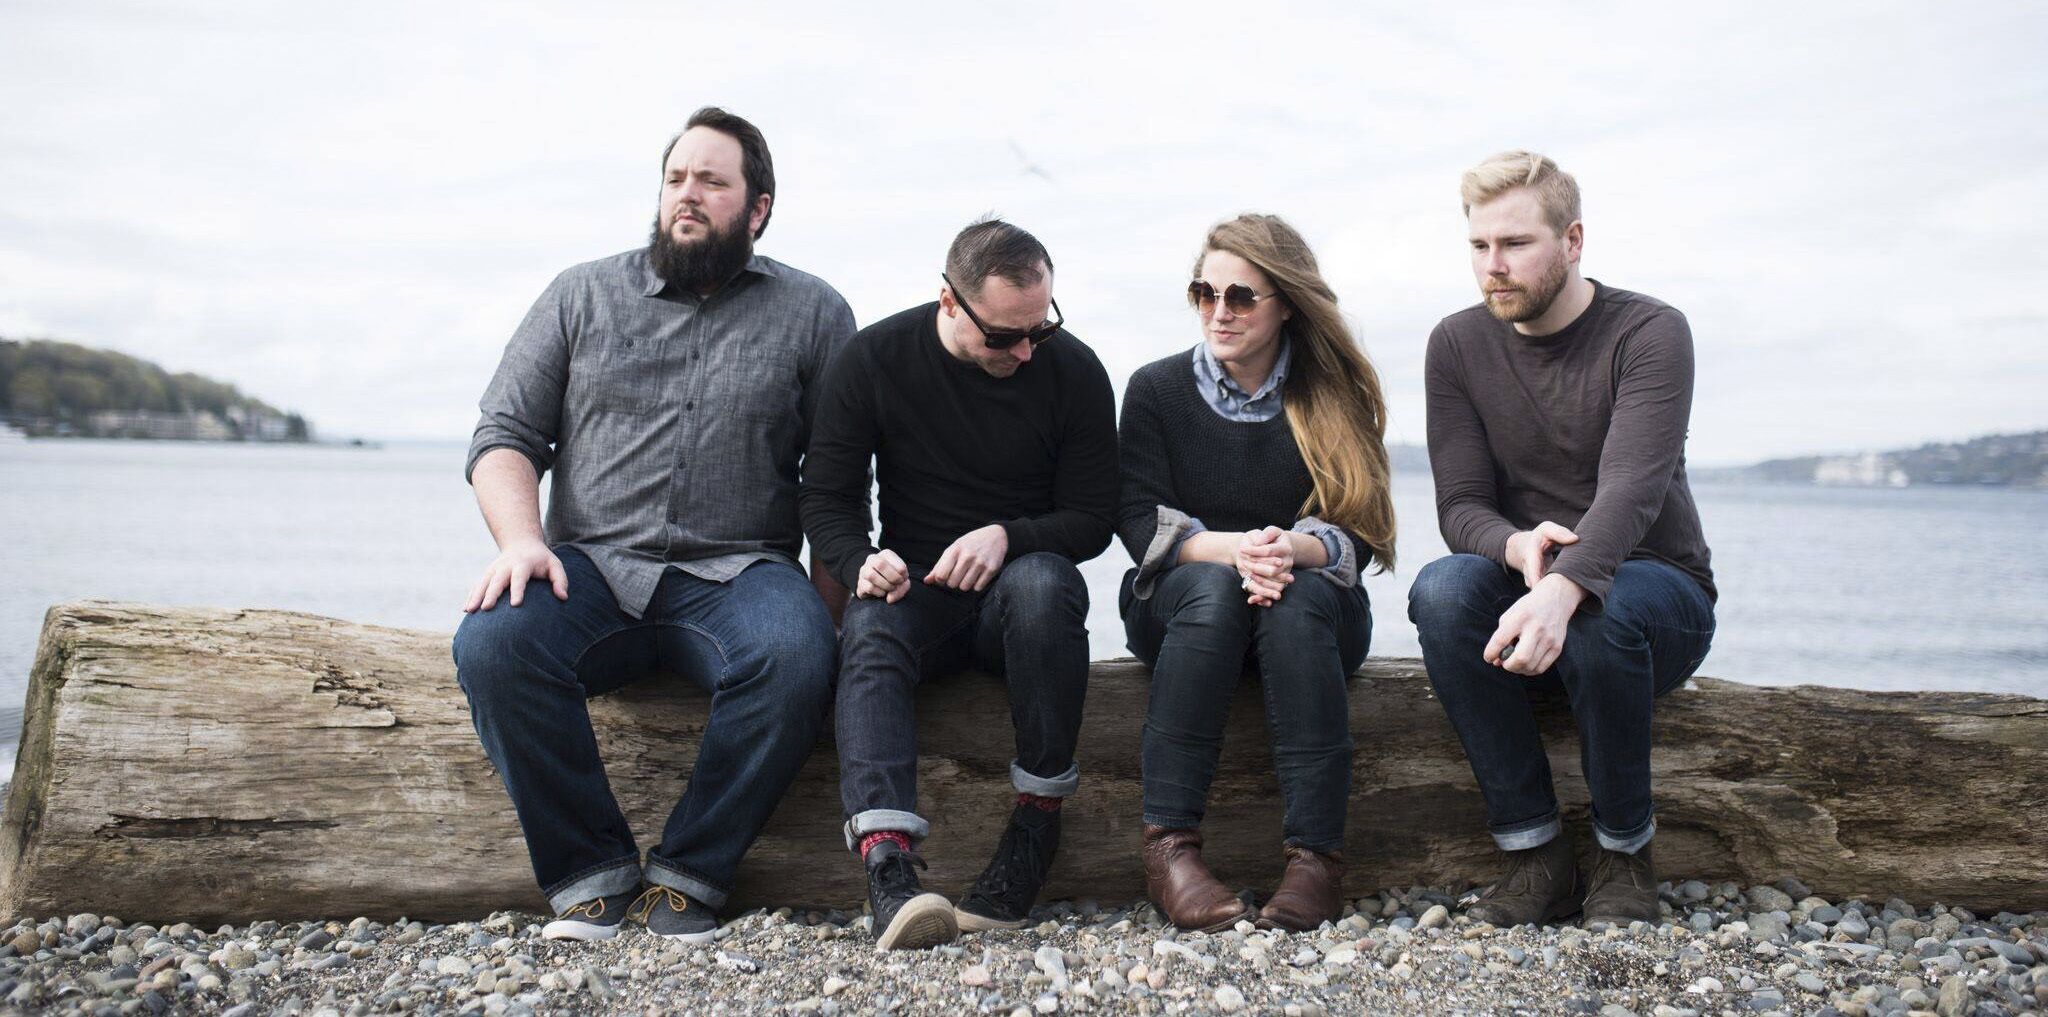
(1871, 469)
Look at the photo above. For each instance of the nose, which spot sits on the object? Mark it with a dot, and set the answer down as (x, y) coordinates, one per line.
(1496, 262)
(1219, 311)
(1022, 351)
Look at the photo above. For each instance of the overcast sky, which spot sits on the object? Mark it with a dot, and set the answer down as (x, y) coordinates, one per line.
(345, 208)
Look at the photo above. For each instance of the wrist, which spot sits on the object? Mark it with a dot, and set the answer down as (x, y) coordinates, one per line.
(1562, 589)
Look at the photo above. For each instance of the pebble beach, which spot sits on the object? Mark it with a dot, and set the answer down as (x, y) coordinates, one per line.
(1720, 949)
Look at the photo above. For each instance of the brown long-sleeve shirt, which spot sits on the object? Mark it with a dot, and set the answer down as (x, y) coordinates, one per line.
(1585, 427)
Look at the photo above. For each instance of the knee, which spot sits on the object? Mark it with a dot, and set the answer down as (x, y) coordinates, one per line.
(497, 647)
(1206, 594)
(1043, 577)
(1309, 607)
(1042, 589)
(1450, 589)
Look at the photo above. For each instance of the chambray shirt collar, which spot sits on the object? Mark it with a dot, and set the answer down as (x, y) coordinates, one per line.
(652, 283)
(1225, 396)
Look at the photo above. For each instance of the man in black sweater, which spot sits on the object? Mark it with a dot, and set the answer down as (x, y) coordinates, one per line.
(993, 436)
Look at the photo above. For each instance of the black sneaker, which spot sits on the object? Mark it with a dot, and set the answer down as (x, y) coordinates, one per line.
(906, 918)
(1003, 894)
(596, 918)
(672, 914)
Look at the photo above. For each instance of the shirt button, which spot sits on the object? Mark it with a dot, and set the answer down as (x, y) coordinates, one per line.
(690, 405)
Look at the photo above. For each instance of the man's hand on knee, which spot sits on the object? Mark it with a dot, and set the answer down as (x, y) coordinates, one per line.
(883, 575)
(515, 566)
(1531, 551)
(1531, 633)
(972, 562)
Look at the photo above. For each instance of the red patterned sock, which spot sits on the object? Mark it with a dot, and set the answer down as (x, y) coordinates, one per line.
(1040, 802)
(902, 840)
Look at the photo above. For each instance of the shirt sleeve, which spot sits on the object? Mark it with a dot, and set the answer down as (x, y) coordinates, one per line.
(1467, 491)
(1341, 553)
(522, 405)
(1644, 446)
(1084, 486)
(837, 475)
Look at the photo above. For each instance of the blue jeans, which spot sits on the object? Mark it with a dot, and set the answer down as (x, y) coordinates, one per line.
(1197, 632)
(1029, 626)
(761, 645)
(1650, 637)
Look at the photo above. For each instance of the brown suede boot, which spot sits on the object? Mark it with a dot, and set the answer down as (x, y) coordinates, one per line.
(1541, 885)
(1622, 889)
(1183, 888)
(1310, 893)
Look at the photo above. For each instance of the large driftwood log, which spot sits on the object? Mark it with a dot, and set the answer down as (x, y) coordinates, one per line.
(215, 765)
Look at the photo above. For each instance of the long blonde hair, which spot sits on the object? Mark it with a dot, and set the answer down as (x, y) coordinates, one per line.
(1332, 393)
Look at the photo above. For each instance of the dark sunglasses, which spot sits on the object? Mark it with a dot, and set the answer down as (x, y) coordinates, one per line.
(1004, 338)
(1237, 297)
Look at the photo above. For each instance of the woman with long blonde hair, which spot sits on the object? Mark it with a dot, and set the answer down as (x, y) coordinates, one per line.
(1254, 496)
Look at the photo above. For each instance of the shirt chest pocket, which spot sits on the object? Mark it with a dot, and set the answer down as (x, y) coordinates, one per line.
(621, 373)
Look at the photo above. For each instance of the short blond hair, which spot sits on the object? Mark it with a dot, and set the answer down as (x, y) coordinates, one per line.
(1499, 174)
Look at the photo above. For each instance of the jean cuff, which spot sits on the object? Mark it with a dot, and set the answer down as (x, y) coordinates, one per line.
(1171, 822)
(1321, 847)
(660, 873)
(594, 882)
(1061, 786)
(885, 821)
(1627, 843)
(1523, 836)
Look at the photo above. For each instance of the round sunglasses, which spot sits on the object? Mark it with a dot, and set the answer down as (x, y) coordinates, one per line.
(1237, 297)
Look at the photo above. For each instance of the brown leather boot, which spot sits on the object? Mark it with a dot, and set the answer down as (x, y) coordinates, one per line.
(1182, 887)
(1310, 893)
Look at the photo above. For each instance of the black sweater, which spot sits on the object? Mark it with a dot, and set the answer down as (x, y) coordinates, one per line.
(956, 449)
(1179, 453)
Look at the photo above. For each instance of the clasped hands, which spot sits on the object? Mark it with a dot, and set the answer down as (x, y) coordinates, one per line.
(969, 563)
(1531, 634)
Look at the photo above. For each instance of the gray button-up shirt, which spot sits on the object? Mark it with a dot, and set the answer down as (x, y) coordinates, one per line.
(673, 423)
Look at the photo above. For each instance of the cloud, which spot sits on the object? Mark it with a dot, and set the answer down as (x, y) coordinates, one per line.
(346, 211)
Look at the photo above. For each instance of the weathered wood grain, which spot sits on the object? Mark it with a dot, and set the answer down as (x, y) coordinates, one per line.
(212, 765)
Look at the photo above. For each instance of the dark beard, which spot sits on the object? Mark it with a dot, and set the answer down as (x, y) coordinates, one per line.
(702, 266)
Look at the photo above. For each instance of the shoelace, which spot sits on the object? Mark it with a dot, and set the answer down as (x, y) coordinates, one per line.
(656, 894)
(1519, 876)
(1610, 859)
(593, 908)
(895, 870)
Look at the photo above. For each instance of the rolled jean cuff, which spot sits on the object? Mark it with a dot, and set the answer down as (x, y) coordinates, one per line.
(1627, 843)
(1321, 847)
(909, 824)
(1061, 786)
(594, 882)
(660, 873)
(1167, 822)
(1523, 836)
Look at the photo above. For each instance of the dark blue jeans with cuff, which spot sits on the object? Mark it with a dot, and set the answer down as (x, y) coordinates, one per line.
(760, 644)
(1197, 633)
(1654, 630)
(1029, 626)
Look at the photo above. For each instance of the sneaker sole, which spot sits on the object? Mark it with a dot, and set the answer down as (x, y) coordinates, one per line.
(925, 920)
(583, 931)
(968, 921)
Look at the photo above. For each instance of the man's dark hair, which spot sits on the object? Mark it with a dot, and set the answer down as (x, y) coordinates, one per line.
(990, 246)
(755, 162)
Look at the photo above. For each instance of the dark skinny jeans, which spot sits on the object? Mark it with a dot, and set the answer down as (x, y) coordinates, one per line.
(1653, 632)
(1030, 627)
(1197, 633)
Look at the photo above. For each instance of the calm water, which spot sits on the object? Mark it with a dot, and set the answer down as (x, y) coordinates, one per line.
(1875, 589)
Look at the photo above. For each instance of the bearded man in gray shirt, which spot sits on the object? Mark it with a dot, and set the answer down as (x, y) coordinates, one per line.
(1558, 410)
(670, 391)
